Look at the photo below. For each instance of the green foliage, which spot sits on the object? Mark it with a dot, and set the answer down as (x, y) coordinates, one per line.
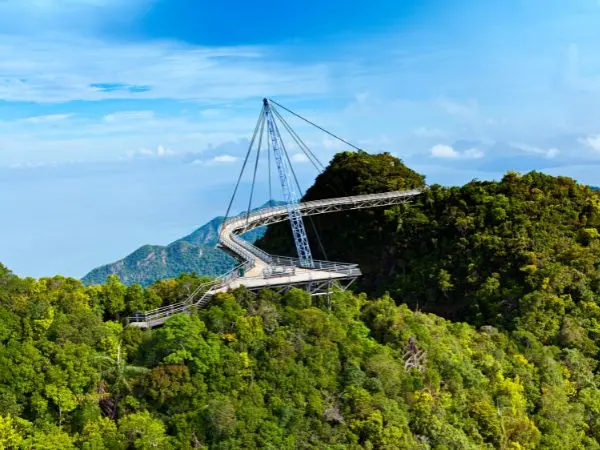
(285, 371)
(10, 435)
(154, 262)
(349, 173)
(142, 431)
(521, 252)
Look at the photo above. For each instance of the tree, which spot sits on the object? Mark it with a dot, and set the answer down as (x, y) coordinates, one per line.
(142, 431)
(115, 376)
(113, 297)
(10, 434)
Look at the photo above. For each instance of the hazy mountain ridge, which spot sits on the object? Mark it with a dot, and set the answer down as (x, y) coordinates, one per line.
(194, 253)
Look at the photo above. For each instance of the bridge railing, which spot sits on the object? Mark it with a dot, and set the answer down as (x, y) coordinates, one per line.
(154, 316)
(304, 277)
(245, 222)
(319, 265)
(276, 271)
(175, 308)
(254, 250)
(310, 204)
(234, 245)
(261, 212)
(233, 273)
(251, 253)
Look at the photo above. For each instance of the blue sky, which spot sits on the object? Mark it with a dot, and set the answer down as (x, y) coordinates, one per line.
(123, 123)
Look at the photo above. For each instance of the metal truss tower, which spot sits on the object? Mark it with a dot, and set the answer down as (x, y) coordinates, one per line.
(287, 186)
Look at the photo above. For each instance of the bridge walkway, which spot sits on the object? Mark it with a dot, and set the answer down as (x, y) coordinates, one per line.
(260, 270)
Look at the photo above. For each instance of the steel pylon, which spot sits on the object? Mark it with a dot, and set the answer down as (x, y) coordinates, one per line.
(289, 193)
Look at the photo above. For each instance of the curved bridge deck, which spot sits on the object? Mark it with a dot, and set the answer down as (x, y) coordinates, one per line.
(259, 270)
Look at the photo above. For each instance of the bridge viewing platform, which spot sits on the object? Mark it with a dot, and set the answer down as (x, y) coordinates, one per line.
(260, 270)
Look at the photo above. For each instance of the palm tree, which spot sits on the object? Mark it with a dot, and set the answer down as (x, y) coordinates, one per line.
(115, 381)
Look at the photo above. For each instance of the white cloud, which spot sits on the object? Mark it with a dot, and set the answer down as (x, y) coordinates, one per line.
(375, 144)
(299, 158)
(426, 132)
(217, 160)
(334, 144)
(448, 152)
(49, 118)
(592, 142)
(224, 159)
(210, 113)
(474, 153)
(159, 152)
(468, 109)
(223, 81)
(95, 139)
(362, 97)
(128, 115)
(162, 151)
(27, 165)
(549, 153)
(444, 151)
(62, 69)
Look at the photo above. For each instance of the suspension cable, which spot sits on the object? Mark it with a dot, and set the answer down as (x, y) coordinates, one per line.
(317, 126)
(287, 157)
(297, 138)
(300, 143)
(260, 138)
(318, 236)
(312, 161)
(339, 191)
(260, 119)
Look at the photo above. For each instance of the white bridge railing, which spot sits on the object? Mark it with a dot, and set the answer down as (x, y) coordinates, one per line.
(192, 300)
(276, 270)
(234, 226)
(246, 222)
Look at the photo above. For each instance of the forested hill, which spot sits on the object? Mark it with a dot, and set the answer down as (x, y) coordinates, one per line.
(278, 372)
(195, 253)
(520, 252)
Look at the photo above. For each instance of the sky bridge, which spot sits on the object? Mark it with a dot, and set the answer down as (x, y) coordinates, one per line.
(259, 270)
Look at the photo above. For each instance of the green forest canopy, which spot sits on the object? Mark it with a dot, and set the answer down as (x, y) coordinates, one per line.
(491, 253)
(277, 372)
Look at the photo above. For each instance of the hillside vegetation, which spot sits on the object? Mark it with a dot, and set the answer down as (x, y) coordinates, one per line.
(156, 262)
(523, 252)
(196, 253)
(276, 372)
